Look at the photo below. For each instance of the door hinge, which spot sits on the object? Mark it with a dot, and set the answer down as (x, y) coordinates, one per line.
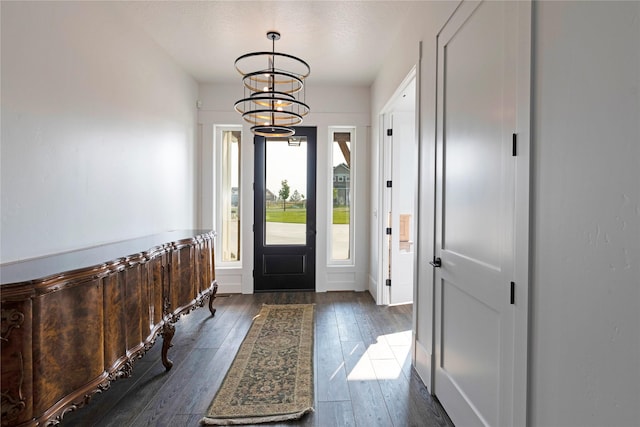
(389, 132)
(514, 145)
(253, 228)
(253, 273)
(388, 231)
(388, 184)
(513, 293)
(388, 282)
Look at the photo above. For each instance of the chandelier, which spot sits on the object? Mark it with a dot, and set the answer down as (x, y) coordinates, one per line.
(274, 96)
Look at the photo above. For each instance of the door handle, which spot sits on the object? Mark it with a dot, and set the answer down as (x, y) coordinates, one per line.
(437, 262)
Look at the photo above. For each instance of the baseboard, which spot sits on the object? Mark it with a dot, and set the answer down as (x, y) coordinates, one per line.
(229, 281)
(423, 364)
(373, 288)
(234, 288)
(339, 286)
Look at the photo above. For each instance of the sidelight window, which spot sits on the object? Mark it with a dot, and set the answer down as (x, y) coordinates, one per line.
(228, 224)
(342, 196)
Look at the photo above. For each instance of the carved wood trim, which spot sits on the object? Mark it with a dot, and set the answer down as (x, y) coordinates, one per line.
(12, 402)
(12, 406)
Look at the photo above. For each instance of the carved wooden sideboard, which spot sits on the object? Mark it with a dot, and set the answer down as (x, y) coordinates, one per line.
(74, 322)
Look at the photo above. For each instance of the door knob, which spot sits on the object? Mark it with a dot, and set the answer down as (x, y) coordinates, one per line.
(437, 262)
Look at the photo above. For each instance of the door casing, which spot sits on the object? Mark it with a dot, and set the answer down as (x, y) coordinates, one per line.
(383, 294)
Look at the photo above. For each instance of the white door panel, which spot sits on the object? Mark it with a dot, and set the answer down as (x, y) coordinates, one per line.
(471, 343)
(477, 135)
(404, 172)
(475, 278)
(475, 205)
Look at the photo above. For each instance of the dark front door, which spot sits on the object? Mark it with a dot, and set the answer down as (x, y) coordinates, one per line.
(285, 212)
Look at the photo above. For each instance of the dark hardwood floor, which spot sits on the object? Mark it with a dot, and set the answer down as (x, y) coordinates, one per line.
(363, 373)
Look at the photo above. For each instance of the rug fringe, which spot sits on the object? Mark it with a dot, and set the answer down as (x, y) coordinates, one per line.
(254, 420)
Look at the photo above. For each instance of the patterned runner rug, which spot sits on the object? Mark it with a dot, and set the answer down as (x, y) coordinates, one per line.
(271, 377)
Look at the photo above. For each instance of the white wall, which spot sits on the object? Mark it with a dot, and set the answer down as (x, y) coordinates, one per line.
(330, 106)
(98, 129)
(585, 330)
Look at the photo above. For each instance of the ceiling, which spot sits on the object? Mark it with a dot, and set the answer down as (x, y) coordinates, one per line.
(344, 42)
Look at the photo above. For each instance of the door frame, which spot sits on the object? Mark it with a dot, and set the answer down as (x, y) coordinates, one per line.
(308, 250)
(384, 196)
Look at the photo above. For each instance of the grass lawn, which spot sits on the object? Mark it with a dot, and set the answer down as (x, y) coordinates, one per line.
(299, 215)
(291, 215)
(341, 215)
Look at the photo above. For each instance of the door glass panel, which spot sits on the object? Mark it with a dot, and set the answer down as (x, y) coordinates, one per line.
(286, 182)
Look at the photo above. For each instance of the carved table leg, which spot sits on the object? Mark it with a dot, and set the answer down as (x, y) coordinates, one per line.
(167, 335)
(212, 297)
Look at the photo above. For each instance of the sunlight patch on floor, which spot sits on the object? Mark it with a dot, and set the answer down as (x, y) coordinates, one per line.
(384, 359)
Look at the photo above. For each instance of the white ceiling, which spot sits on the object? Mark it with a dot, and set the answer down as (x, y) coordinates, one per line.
(344, 42)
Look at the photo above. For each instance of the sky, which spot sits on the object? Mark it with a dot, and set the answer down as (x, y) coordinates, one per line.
(285, 162)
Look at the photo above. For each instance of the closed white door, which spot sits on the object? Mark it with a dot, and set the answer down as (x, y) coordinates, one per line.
(404, 168)
(475, 214)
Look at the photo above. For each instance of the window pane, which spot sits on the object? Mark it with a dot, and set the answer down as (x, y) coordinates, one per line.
(230, 193)
(285, 204)
(341, 190)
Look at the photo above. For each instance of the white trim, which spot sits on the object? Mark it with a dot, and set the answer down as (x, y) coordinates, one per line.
(217, 182)
(229, 280)
(384, 201)
(522, 232)
(381, 217)
(423, 362)
(389, 105)
(414, 319)
(350, 262)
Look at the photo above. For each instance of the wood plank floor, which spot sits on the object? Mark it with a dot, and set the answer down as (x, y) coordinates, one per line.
(363, 373)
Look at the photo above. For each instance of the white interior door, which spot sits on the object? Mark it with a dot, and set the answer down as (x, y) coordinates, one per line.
(404, 172)
(475, 214)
